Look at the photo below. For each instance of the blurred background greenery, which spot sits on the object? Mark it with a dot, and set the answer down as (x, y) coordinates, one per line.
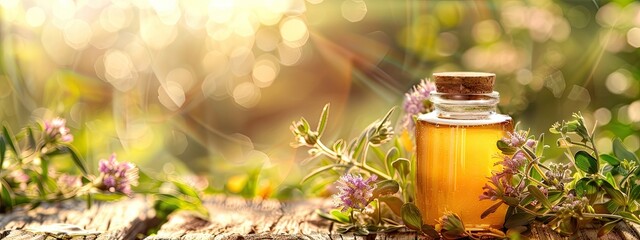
(211, 86)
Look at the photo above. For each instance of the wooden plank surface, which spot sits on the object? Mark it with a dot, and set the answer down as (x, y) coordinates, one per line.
(230, 218)
(236, 218)
(118, 220)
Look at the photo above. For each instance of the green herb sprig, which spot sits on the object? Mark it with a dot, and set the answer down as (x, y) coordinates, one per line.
(391, 167)
(591, 187)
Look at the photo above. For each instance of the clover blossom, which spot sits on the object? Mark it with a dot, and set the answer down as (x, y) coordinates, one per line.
(559, 174)
(68, 183)
(21, 178)
(118, 176)
(354, 192)
(512, 164)
(416, 102)
(499, 188)
(56, 130)
(571, 207)
(515, 139)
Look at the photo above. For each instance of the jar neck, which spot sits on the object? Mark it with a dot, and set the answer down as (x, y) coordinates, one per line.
(465, 106)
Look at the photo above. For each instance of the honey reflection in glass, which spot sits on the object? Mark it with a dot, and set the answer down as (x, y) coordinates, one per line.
(455, 157)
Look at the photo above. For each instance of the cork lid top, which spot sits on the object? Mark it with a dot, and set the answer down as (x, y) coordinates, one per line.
(464, 82)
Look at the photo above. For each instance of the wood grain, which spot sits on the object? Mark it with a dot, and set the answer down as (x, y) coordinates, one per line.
(230, 218)
(118, 220)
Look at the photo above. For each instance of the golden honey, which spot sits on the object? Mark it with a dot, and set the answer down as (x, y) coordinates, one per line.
(453, 164)
(456, 149)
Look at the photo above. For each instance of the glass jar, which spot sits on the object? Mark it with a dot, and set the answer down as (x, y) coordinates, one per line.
(456, 149)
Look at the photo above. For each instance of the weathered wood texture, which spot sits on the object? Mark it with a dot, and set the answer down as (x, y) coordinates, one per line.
(231, 218)
(235, 218)
(72, 219)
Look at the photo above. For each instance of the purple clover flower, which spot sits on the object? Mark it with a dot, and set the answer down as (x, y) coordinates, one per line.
(512, 164)
(56, 130)
(417, 102)
(68, 183)
(517, 139)
(500, 187)
(118, 176)
(355, 192)
(21, 178)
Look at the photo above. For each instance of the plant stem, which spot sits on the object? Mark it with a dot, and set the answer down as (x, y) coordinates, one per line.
(330, 153)
(527, 210)
(582, 145)
(544, 177)
(369, 169)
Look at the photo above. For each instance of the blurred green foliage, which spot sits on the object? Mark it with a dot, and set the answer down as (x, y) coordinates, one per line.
(162, 88)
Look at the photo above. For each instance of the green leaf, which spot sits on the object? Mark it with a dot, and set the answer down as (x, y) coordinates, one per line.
(490, 210)
(7, 198)
(616, 195)
(539, 196)
(394, 203)
(31, 139)
(518, 219)
(338, 146)
(392, 155)
(386, 187)
(327, 216)
(356, 148)
(8, 137)
(186, 189)
(402, 165)
(77, 159)
(411, 216)
(611, 180)
(529, 152)
(586, 162)
(533, 173)
(505, 148)
(611, 160)
(146, 184)
(305, 125)
(3, 149)
(540, 147)
(342, 217)
(611, 206)
(635, 193)
(323, 120)
(511, 201)
(585, 186)
(166, 204)
(107, 197)
(630, 216)
(385, 118)
(606, 228)
(621, 151)
(555, 196)
(430, 231)
(320, 170)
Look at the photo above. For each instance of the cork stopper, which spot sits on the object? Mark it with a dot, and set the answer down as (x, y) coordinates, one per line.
(464, 82)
